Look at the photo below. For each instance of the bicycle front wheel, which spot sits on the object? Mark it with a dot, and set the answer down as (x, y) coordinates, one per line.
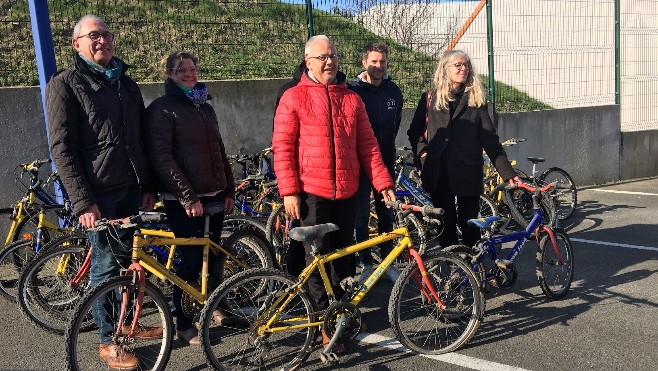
(417, 319)
(564, 195)
(10, 271)
(82, 345)
(46, 293)
(243, 340)
(554, 264)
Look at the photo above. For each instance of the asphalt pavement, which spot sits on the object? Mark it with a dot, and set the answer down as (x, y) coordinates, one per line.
(608, 321)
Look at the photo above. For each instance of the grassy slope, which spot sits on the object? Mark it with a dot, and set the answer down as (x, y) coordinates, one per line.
(238, 40)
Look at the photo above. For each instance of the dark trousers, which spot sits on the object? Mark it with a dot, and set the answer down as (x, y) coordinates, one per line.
(317, 210)
(384, 219)
(469, 207)
(110, 252)
(191, 257)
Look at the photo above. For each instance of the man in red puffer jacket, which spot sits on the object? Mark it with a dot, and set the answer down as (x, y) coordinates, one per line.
(322, 138)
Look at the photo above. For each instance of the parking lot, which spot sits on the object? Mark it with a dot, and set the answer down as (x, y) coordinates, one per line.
(607, 321)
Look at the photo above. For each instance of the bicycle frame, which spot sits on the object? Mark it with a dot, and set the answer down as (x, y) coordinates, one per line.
(319, 265)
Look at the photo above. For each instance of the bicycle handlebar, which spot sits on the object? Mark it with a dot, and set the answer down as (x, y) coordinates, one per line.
(522, 185)
(512, 141)
(129, 222)
(428, 211)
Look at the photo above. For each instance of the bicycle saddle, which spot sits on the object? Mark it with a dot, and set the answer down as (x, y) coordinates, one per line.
(312, 233)
(484, 223)
(536, 160)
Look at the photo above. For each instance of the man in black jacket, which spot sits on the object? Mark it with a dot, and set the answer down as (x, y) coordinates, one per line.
(94, 126)
(383, 101)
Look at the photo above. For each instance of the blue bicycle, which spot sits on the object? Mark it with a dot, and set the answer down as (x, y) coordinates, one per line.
(554, 264)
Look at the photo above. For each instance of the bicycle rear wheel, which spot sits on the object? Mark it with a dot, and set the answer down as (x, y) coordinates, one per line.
(418, 321)
(564, 195)
(46, 293)
(554, 264)
(10, 272)
(237, 343)
(82, 345)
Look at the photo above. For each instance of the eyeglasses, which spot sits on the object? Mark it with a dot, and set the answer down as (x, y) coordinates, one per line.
(192, 70)
(460, 65)
(323, 58)
(95, 36)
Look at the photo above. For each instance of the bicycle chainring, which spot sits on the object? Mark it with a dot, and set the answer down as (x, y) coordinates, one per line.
(339, 311)
(190, 306)
(505, 278)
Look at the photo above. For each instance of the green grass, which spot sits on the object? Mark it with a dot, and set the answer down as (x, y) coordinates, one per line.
(233, 39)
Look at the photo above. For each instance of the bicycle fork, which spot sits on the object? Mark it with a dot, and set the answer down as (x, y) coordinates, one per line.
(423, 282)
(551, 235)
(139, 279)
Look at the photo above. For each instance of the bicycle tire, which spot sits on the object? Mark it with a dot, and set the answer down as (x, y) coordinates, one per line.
(10, 273)
(276, 233)
(46, 295)
(248, 248)
(418, 323)
(82, 345)
(565, 194)
(519, 202)
(233, 346)
(554, 274)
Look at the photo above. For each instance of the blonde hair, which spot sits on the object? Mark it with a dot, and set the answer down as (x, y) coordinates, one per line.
(442, 84)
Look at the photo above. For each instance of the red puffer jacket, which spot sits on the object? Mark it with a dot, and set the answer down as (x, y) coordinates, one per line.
(321, 135)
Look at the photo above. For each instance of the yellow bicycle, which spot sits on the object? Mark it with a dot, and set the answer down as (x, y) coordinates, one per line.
(435, 307)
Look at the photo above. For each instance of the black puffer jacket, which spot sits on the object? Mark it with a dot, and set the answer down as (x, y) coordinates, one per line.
(186, 148)
(384, 106)
(95, 133)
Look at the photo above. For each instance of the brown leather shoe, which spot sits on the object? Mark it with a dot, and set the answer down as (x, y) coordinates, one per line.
(338, 348)
(116, 358)
(143, 332)
(190, 336)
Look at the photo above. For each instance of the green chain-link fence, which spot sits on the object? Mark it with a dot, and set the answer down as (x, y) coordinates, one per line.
(542, 53)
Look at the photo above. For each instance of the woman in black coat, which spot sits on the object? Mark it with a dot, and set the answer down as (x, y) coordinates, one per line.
(447, 134)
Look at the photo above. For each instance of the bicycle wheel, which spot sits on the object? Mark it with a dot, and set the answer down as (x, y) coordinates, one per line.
(10, 272)
(554, 264)
(82, 345)
(46, 293)
(276, 231)
(238, 342)
(248, 249)
(564, 195)
(419, 323)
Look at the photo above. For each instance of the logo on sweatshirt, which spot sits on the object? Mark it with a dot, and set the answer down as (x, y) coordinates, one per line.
(391, 104)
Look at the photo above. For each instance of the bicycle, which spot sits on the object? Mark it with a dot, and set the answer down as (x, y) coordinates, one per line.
(17, 255)
(435, 307)
(554, 259)
(139, 302)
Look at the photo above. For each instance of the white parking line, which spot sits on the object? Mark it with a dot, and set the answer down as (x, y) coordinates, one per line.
(637, 247)
(624, 192)
(452, 358)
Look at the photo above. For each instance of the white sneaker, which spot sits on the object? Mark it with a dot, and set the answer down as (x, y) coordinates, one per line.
(365, 273)
(392, 273)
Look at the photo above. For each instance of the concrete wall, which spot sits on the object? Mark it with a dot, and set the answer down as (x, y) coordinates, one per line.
(584, 141)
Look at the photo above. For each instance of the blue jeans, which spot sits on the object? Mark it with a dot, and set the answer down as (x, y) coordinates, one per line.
(384, 219)
(108, 255)
(191, 257)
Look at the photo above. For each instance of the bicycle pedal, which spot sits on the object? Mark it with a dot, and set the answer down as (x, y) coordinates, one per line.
(330, 358)
(503, 263)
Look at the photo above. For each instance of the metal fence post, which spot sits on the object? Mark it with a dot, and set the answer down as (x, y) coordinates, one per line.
(309, 17)
(490, 50)
(617, 53)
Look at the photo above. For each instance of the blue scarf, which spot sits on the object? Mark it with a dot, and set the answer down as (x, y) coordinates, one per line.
(110, 73)
(197, 95)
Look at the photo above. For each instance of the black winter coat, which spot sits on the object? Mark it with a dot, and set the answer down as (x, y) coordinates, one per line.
(186, 148)
(461, 138)
(384, 106)
(95, 133)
